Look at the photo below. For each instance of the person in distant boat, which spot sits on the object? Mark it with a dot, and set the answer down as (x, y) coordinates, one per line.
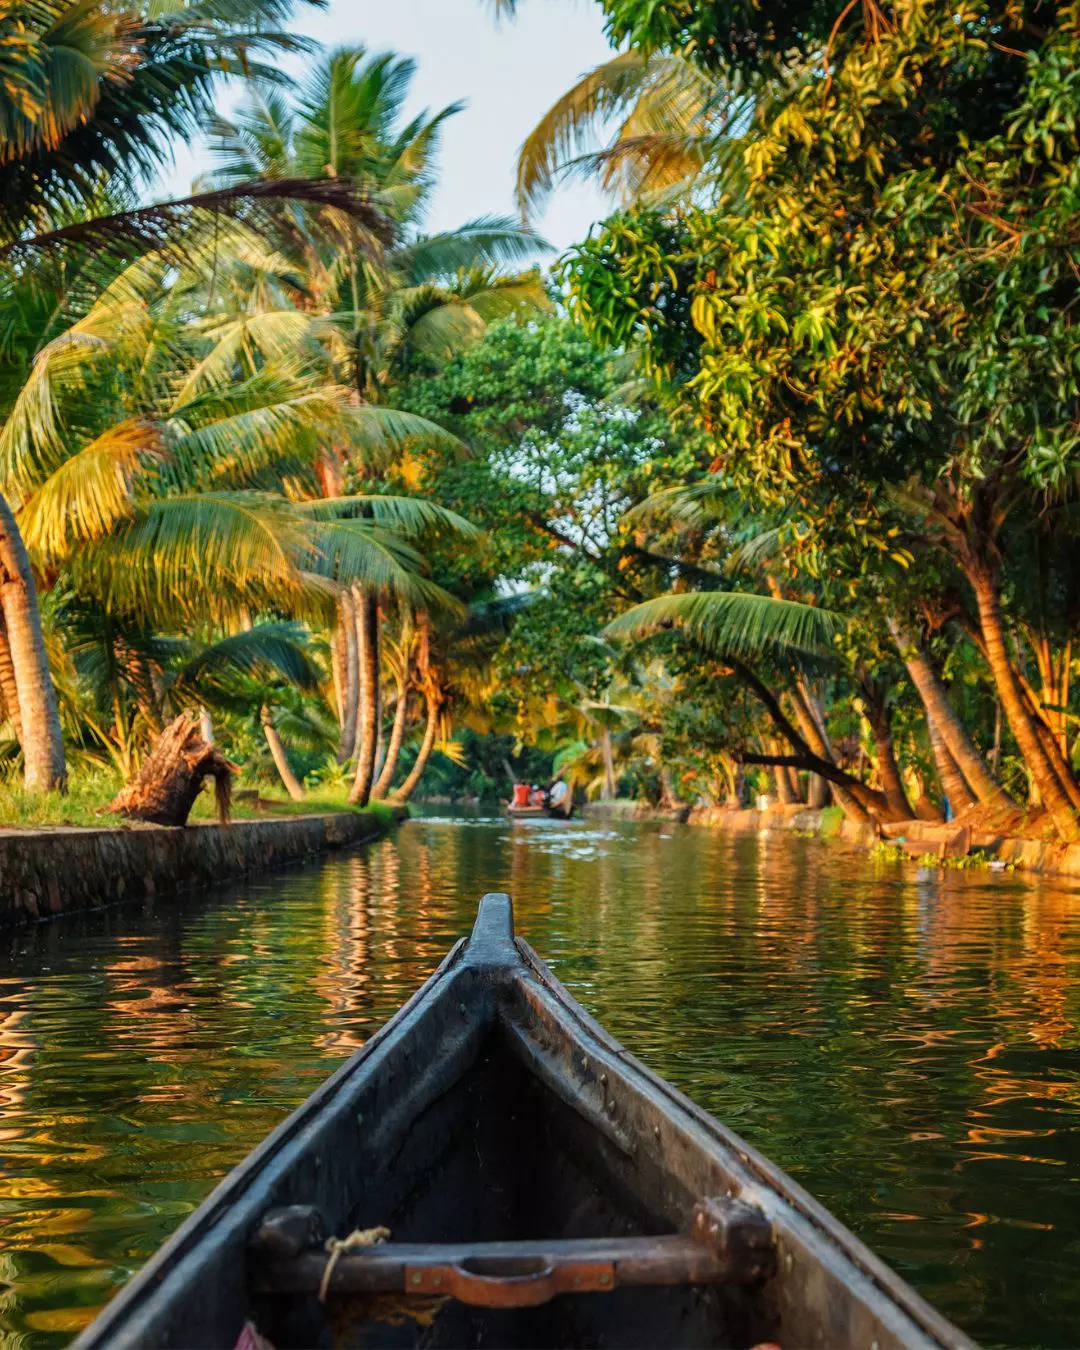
(536, 795)
(557, 794)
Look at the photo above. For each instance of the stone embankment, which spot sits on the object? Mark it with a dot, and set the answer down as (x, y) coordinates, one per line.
(1031, 855)
(53, 871)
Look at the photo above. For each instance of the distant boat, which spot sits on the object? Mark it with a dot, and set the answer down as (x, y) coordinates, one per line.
(499, 1171)
(521, 807)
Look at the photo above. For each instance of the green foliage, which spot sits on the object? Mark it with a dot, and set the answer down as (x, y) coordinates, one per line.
(92, 94)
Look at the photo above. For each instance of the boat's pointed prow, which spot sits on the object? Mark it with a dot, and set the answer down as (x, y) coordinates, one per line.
(492, 940)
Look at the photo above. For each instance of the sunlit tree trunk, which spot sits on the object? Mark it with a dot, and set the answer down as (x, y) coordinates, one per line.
(367, 727)
(780, 773)
(815, 737)
(892, 783)
(817, 791)
(42, 741)
(351, 677)
(8, 687)
(957, 793)
(1045, 730)
(281, 760)
(393, 745)
(669, 798)
(1038, 757)
(172, 776)
(610, 781)
(951, 730)
(433, 702)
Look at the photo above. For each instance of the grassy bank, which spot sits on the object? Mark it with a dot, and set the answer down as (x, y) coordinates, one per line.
(87, 799)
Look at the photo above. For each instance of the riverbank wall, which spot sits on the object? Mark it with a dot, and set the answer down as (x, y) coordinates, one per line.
(1029, 855)
(57, 870)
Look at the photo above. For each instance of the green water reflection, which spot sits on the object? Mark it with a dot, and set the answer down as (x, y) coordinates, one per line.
(904, 1043)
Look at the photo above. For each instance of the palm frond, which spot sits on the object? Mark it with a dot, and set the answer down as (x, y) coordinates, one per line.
(190, 553)
(735, 623)
(404, 515)
(92, 491)
(598, 96)
(487, 241)
(276, 648)
(160, 228)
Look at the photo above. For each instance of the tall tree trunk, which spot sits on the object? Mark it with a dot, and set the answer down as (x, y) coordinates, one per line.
(281, 760)
(940, 711)
(669, 798)
(380, 749)
(42, 741)
(1040, 719)
(393, 746)
(784, 795)
(367, 729)
(351, 681)
(957, 793)
(408, 787)
(817, 791)
(1021, 723)
(337, 672)
(892, 783)
(8, 688)
(814, 736)
(611, 785)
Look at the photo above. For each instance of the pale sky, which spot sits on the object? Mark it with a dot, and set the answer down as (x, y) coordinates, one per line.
(509, 73)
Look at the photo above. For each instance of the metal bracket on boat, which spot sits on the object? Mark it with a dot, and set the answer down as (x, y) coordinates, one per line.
(729, 1243)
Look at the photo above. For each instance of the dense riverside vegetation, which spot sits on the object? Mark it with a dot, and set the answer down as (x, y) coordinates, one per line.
(199, 400)
(847, 265)
(771, 486)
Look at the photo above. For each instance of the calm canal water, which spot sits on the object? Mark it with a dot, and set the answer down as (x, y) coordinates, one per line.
(904, 1043)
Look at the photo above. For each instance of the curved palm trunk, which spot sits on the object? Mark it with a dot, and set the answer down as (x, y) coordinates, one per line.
(816, 740)
(611, 785)
(393, 747)
(951, 730)
(1045, 732)
(367, 728)
(892, 784)
(408, 787)
(350, 678)
(8, 688)
(957, 793)
(1048, 775)
(42, 742)
(782, 781)
(817, 792)
(281, 760)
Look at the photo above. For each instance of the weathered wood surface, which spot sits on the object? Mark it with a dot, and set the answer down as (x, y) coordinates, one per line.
(172, 775)
(493, 1108)
(729, 1243)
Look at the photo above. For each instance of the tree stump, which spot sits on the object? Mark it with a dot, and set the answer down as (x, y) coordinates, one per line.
(165, 788)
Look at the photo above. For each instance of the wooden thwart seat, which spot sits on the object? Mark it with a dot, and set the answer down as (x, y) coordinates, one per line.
(729, 1242)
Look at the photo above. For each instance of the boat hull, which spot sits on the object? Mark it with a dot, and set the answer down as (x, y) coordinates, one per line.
(493, 1109)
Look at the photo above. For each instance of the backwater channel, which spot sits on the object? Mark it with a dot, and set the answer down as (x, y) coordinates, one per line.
(904, 1042)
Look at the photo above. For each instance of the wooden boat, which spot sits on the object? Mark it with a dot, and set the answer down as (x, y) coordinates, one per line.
(531, 812)
(540, 1188)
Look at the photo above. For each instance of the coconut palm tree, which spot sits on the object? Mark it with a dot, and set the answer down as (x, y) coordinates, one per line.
(90, 93)
(147, 455)
(421, 300)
